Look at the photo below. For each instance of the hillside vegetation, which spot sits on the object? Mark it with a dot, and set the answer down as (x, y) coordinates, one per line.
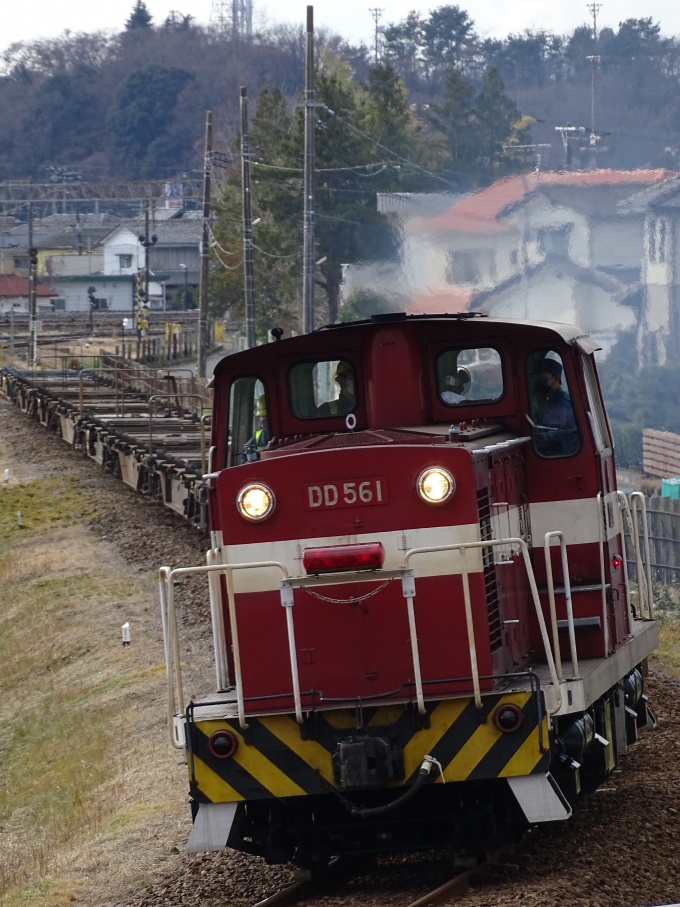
(133, 103)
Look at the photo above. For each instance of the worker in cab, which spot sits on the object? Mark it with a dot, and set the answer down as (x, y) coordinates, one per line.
(557, 434)
(261, 436)
(346, 399)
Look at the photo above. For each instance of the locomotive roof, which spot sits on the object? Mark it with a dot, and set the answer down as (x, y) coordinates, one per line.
(473, 326)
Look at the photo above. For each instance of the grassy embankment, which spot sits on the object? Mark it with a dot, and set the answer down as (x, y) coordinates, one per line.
(75, 707)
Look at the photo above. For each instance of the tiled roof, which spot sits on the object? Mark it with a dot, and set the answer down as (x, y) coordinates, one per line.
(479, 213)
(177, 232)
(440, 302)
(15, 287)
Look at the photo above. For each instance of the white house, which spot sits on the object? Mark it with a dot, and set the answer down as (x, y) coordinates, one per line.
(554, 246)
(14, 295)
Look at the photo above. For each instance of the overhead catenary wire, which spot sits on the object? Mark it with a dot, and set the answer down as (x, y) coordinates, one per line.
(382, 164)
(274, 255)
(385, 148)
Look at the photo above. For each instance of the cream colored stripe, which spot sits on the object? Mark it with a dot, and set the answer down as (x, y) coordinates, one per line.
(289, 553)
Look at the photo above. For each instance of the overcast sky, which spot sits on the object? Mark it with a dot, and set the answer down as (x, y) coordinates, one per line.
(24, 21)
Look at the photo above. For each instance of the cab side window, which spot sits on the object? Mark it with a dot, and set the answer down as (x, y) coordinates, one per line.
(248, 421)
(322, 389)
(554, 431)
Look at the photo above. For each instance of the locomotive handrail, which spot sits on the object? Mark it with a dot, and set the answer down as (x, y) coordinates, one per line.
(603, 579)
(644, 580)
(556, 534)
(166, 581)
(214, 556)
(623, 506)
(463, 547)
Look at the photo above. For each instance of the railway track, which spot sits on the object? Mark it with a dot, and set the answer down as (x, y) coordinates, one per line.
(148, 427)
(496, 868)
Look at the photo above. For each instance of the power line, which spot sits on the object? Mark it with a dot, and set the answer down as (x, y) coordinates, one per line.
(388, 150)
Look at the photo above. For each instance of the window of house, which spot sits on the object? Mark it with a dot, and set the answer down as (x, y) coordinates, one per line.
(657, 238)
(322, 389)
(473, 375)
(248, 421)
(555, 241)
(20, 261)
(125, 261)
(470, 267)
(554, 431)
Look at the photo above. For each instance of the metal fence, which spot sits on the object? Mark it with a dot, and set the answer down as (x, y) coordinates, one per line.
(663, 516)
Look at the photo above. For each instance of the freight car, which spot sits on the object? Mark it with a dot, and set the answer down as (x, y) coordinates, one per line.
(424, 630)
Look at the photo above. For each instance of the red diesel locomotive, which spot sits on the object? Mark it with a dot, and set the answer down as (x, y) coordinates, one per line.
(423, 628)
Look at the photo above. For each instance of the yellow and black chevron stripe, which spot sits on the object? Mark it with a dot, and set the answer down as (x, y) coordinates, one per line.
(275, 760)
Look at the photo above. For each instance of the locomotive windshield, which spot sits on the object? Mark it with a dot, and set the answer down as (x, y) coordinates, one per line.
(322, 389)
(554, 430)
(469, 376)
(248, 421)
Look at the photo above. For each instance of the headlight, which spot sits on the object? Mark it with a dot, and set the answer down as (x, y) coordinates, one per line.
(436, 485)
(255, 502)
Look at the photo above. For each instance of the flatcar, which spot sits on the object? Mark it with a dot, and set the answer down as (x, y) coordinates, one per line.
(424, 630)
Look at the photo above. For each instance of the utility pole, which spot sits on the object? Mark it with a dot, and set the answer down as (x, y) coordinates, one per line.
(594, 9)
(309, 251)
(147, 241)
(249, 283)
(567, 133)
(204, 273)
(376, 12)
(144, 306)
(32, 356)
(594, 137)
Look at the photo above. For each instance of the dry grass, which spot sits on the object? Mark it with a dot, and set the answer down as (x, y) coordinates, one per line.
(667, 657)
(83, 763)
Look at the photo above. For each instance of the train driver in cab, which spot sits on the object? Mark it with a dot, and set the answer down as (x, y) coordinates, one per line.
(557, 434)
(457, 385)
(346, 400)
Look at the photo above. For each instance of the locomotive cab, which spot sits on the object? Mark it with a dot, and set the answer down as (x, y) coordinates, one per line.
(423, 624)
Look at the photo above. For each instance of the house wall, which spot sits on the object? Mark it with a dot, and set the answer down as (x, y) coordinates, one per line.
(545, 297)
(17, 303)
(70, 264)
(122, 242)
(618, 244)
(117, 293)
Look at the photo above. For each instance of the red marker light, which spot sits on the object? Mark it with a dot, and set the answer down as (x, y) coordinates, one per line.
(335, 558)
(223, 744)
(617, 561)
(508, 718)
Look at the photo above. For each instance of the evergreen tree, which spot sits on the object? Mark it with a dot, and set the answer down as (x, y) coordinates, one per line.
(142, 114)
(140, 17)
(495, 114)
(386, 115)
(453, 117)
(477, 129)
(446, 35)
